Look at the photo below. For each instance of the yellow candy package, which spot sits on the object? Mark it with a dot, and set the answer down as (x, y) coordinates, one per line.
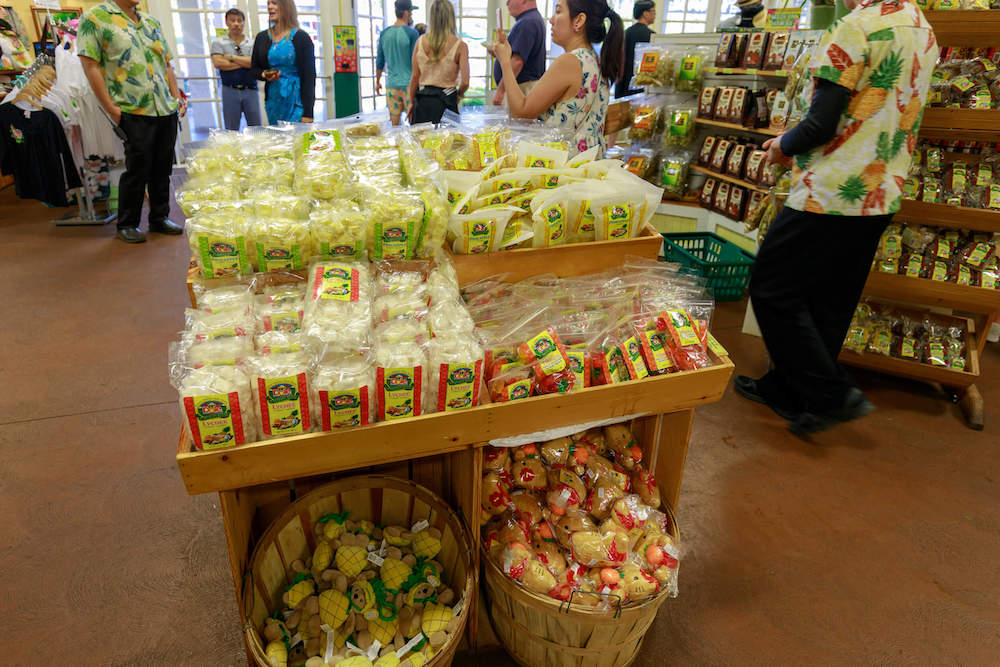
(279, 243)
(534, 155)
(549, 218)
(218, 241)
(396, 224)
(338, 229)
(480, 231)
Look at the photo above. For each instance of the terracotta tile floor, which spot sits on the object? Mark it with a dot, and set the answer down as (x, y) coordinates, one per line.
(877, 543)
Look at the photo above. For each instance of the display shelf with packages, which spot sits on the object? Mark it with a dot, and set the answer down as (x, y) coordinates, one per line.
(932, 292)
(953, 217)
(729, 179)
(740, 128)
(737, 70)
(978, 27)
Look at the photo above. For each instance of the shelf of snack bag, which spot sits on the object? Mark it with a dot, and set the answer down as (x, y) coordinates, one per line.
(739, 128)
(915, 344)
(966, 27)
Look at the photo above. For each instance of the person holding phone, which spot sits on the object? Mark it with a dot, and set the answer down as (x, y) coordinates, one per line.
(127, 62)
(284, 57)
(574, 92)
(231, 56)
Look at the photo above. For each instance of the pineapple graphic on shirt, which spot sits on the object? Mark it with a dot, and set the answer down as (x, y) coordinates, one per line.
(870, 99)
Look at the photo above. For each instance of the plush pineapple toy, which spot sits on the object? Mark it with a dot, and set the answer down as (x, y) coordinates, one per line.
(333, 607)
(331, 526)
(427, 543)
(352, 555)
(277, 653)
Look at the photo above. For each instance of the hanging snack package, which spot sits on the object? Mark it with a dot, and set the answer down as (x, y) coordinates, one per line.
(689, 74)
(686, 347)
(654, 67)
(681, 128)
(753, 55)
(218, 241)
(647, 117)
(399, 378)
(345, 392)
(706, 101)
(641, 160)
(480, 231)
(396, 224)
(455, 373)
(674, 172)
(281, 382)
(338, 230)
(216, 401)
(550, 223)
(775, 53)
(279, 243)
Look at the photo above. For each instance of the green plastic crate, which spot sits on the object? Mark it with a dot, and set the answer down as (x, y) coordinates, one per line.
(725, 265)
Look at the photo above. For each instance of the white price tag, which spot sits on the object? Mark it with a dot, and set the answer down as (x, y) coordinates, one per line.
(672, 551)
(457, 609)
(410, 645)
(374, 649)
(295, 640)
(420, 525)
(371, 614)
(370, 547)
(288, 613)
(385, 545)
(352, 647)
(376, 559)
(328, 655)
(433, 581)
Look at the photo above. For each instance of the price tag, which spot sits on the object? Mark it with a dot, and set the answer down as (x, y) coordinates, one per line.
(374, 649)
(288, 613)
(371, 614)
(352, 647)
(457, 609)
(295, 640)
(328, 655)
(410, 645)
(715, 347)
(375, 559)
(433, 581)
(385, 545)
(419, 526)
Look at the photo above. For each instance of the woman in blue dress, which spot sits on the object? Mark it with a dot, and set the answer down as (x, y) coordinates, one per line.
(283, 56)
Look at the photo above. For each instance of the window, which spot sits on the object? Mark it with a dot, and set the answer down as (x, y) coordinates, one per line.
(685, 16)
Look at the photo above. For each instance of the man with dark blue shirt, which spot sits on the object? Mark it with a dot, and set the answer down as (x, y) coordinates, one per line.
(527, 44)
(231, 56)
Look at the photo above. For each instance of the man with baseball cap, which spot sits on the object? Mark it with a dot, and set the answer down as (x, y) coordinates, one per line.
(395, 50)
(644, 13)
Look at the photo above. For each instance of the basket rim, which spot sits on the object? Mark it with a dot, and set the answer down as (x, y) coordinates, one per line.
(562, 607)
(353, 483)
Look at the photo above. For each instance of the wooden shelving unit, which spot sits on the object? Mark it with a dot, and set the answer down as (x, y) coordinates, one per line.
(977, 28)
(733, 126)
(722, 71)
(932, 292)
(725, 177)
(952, 217)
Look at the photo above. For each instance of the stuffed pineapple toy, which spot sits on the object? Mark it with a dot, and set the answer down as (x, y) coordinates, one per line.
(331, 526)
(427, 543)
(352, 555)
(277, 653)
(302, 587)
(390, 659)
(362, 596)
(322, 556)
(394, 571)
(435, 623)
(397, 536)
(333, 607)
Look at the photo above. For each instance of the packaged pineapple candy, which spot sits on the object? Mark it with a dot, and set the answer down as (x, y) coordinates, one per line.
(213, 157)
(321, 170)
(689, 71)
(338, 230)
(279, 243)
(217, 235)
(344, 389)
(396, 222)
(455, 369)
(647, 116)
(282, 374)
(215, 399)
(482, 230)
(367, 595)
(476, 140)
(238, 296)
(267, 157)
(654, 67)
(201, 190)
(204, 325)
(338, 308)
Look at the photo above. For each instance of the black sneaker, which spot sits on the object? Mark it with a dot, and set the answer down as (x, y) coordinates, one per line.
(131, 235)
(747, 388)
(854, 407)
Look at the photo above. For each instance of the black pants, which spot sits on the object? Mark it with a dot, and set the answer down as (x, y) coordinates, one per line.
(149, 159)
(806, 282)
(430, 103)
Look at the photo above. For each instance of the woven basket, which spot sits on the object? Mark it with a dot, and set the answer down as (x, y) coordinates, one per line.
(539, 631)
(377, 498)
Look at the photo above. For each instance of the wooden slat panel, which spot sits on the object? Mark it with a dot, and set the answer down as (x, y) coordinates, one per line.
(318, 453)
(961, 119)
(932, 292)
(739, 128)
(976, 28)
(725, 177)
(953, 217)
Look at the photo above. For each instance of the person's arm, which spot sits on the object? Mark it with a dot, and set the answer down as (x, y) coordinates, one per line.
(379, 64)
(258, 61)
(820, 123)
(175, 91)
(95, 77)
(463, 68)
(222, 63)
(305, 63)
(564, 74)
(517, 63)
(414, 78)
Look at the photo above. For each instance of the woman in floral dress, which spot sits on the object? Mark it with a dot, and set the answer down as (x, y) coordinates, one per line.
(573, 93)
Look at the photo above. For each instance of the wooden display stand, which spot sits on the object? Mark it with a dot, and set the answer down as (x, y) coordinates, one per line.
(952, 28)
(442, 451)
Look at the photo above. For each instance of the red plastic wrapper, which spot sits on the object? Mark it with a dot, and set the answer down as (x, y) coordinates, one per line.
(684, 342)
(513, 385)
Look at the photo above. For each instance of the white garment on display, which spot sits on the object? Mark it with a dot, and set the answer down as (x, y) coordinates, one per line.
(97, 132)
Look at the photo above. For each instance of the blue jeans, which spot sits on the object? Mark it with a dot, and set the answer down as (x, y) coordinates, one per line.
(237, 103)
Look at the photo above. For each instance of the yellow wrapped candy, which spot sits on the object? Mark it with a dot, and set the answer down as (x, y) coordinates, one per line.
(333, 607)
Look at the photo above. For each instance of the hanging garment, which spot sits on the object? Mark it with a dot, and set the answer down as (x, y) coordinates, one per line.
(36, 152)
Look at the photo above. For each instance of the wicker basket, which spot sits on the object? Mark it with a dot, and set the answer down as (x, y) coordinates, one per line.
(377, 498)
(539, 631)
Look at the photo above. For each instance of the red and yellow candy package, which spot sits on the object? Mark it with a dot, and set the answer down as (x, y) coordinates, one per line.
(686, 347)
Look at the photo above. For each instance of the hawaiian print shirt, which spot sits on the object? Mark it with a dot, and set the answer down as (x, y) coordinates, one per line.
(133, 56)
(884, 53)
(585, 113)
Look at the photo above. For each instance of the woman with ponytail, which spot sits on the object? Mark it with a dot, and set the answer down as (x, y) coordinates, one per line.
(574, 91)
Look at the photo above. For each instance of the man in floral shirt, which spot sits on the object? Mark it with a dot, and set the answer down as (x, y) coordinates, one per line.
(871, 74)
(127, 63)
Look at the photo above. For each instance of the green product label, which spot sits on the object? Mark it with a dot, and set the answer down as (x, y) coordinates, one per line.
(320, 140)
(336, 281)
(394, 240)
(479, 234)
(342, 251)
(910, 187)
(957, 362)
(275, 258)
(679, 122)
(934, 160)
(632, 353)
(586, 221)
(994, 201)
(656, 353)
(616, 366)
(964, 275)
(893, 246)
(978, 255)
(343, 408)
(940, 272)
(689, 68)
(882, 342)
(222, 257)
(931, 192)
(577, 364)
(909, 348)
(288, 322)
(671, 173)
(284, 404)
(937, 354)
(518, 390)
(985, 175)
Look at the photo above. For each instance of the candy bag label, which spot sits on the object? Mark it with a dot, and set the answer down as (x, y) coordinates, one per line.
(288, 322)
(518, 390)
(618, 221)
(656, 353)
(344, 407)
(994, 201)
(215, 420)
(480, 235)
(458, 386)
(342, 251)
(984, 175)
(272, 259)
(336, 281)
(649, 61)
(908, 350)
(545, 350)
(632, 354)
(394, 240)
(716, 347)
(914, 265)
(978, 254)
(940, 272)
(284, 404)
(681, 328)
(689, 68)
(555, 227)
(222, 256)
(577, 356)
(400, 391)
